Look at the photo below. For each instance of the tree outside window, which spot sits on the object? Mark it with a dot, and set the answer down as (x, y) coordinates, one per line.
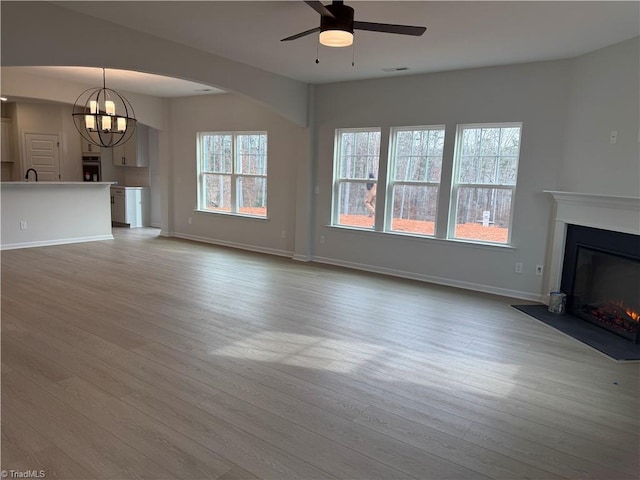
(485, 173)
(356, 174)
(483, 181)
(416, 168)
(232, 175)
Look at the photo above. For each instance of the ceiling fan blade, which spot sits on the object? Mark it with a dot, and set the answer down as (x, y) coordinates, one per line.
(320, 8)
(302, 34)
(390, 28)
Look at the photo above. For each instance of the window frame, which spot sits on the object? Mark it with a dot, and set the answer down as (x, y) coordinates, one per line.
(456, 184)
(391, 182)
(235, 176)
(338, 180)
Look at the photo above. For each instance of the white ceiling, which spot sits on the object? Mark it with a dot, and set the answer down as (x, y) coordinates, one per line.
(126, 80)
(459, 34)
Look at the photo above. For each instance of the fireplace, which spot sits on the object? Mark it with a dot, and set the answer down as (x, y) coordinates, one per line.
(601, 277)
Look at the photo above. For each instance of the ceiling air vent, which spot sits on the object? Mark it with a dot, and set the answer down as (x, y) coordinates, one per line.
(395, 69)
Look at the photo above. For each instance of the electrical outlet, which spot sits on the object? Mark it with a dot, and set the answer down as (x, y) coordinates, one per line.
(322, 239)
(613, 138)
(284, 234)
(23, 224)
(518, 267)
(539, 270)
(189, 220)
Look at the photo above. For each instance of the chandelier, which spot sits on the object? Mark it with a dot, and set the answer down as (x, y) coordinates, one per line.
(103, 116)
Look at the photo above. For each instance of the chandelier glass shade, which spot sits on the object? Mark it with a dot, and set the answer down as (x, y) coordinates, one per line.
(104, 117)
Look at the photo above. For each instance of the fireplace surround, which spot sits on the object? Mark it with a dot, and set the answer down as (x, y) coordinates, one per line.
(605, 212)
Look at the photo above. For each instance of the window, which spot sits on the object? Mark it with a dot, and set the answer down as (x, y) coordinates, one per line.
(414, 180)
(484, 182)
(356, 177)
(232, 173)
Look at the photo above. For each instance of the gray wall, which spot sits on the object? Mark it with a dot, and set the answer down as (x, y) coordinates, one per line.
(287, 148)
(605, 88)
(54, 119)
(556, 102)
(53, 39)
(534, 94)
(566, 107)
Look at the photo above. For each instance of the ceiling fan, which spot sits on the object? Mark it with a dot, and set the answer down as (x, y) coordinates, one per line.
(337, 25)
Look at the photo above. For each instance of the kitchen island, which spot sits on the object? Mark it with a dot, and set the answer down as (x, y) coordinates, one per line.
(36, 214)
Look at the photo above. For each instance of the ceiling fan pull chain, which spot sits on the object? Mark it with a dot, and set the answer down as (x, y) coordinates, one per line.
(317, 49)
(353, 54)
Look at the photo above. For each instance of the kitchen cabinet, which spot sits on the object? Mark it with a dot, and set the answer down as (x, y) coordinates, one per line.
(118, 205)
(135, 152)
(6, 155)
(89, 149)
(130, 206)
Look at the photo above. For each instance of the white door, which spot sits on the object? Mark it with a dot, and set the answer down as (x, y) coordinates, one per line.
(43, 154)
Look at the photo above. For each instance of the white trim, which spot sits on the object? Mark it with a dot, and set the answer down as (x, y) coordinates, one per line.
(337, 162)
(596, 201)
(24, 165)
(417, 237)
(62, 241)
(456, 184)
(223, 243)
(607, 212)
(392, 182)
(231, 214)
(477, 287)
(409, 128)
(530, 296)
(235, 167)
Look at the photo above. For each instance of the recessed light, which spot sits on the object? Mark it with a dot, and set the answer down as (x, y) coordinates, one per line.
(395, 69)
(3, 99)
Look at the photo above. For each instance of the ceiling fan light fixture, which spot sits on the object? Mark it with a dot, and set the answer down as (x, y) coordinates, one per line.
(337, 25)
(336, 38)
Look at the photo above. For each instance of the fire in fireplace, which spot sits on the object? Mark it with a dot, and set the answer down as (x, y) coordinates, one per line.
(601, 276)
(615, 316)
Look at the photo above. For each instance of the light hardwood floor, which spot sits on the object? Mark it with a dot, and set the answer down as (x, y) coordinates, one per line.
(147, 357)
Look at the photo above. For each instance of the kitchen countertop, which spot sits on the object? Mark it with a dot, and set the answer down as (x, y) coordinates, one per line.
(48, 184)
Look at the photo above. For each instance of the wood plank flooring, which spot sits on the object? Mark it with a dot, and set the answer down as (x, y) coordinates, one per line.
(155, 358)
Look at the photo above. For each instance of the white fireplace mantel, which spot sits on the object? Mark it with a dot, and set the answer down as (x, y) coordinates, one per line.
(618, 214)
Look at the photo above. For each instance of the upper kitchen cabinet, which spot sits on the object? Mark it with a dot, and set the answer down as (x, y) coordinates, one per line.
(7, 148)
(89, 149)
(135, 152)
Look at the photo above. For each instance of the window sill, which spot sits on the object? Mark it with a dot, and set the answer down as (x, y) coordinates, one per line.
(424, 238)
(231, 214)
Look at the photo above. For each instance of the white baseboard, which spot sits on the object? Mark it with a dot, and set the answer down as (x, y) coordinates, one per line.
(476, 287)
(223, 243)
(58, 241)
